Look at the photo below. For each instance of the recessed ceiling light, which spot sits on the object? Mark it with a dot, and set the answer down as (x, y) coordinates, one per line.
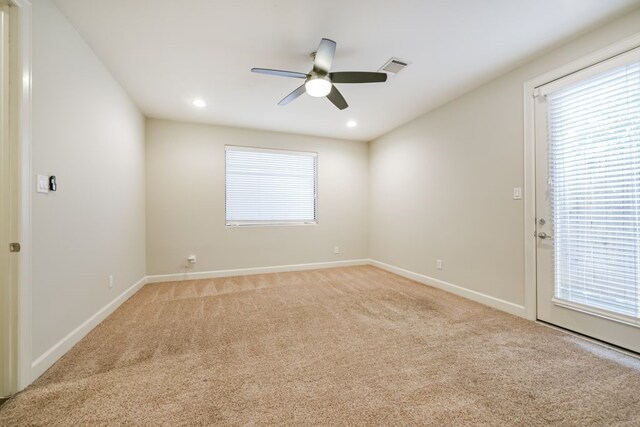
(352, 124)
(199, 103)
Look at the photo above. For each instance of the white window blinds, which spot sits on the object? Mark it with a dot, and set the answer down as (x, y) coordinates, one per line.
(270, 186)
(594, 132)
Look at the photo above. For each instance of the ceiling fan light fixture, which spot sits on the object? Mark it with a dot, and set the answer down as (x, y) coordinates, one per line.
(318, 86)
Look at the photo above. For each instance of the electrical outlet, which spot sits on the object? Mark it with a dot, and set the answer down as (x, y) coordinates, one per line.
(110, 281)
(191, 259)
(336, 250)
(439, 264)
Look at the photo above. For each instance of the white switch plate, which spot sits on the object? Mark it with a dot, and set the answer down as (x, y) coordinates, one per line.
(42, 183)
(336, 250)
(517, 193)
(439, 264)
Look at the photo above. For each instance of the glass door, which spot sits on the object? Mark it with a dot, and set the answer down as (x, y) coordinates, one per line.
(588, 201)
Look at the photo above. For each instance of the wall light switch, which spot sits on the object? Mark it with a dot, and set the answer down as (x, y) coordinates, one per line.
(517, 193)
(42, 183)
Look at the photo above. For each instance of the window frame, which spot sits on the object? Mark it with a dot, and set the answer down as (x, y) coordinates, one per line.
(271, 223)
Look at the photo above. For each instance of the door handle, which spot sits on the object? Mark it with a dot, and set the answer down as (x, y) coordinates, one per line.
(544, 235)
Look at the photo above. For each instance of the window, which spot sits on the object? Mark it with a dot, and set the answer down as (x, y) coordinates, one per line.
(594, 140)
(270, 186)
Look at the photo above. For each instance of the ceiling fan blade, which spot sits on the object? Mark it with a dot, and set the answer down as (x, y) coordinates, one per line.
(336, 97)
(280, 73)
(293, 95)
(324, 56)
(357, 77)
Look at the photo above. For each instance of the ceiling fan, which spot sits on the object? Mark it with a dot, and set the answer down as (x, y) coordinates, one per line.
(320, 81)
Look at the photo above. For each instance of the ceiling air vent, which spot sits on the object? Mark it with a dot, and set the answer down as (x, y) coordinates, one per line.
(394, 66)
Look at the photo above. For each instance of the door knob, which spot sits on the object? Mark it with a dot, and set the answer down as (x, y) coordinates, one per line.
(544, 235)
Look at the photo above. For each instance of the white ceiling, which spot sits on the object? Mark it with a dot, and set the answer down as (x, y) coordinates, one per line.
(165, 53)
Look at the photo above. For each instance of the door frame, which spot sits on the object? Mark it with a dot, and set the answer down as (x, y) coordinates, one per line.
(529, 94)
(20, 29)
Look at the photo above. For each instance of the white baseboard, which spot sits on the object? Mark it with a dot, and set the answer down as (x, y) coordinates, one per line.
(485, 299)
(49, 357)
(249, 271)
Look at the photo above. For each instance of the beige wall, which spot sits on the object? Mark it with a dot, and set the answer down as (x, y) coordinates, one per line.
(441, 185)
(88, 133)
(185, 201)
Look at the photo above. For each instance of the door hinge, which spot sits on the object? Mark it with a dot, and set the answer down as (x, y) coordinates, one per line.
(14, 247)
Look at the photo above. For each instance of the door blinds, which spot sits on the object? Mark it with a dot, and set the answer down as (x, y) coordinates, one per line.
(594, 153)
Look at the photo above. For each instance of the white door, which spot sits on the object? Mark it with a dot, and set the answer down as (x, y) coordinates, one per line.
(8, 194)
(588, 201)
(5, 277)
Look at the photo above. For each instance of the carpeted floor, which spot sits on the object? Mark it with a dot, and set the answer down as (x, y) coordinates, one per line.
(347, 346)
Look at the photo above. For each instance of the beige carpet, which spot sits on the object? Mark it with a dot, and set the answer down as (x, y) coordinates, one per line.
(348, 346)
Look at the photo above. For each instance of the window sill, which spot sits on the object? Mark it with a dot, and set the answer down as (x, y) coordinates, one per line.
(268, 224)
